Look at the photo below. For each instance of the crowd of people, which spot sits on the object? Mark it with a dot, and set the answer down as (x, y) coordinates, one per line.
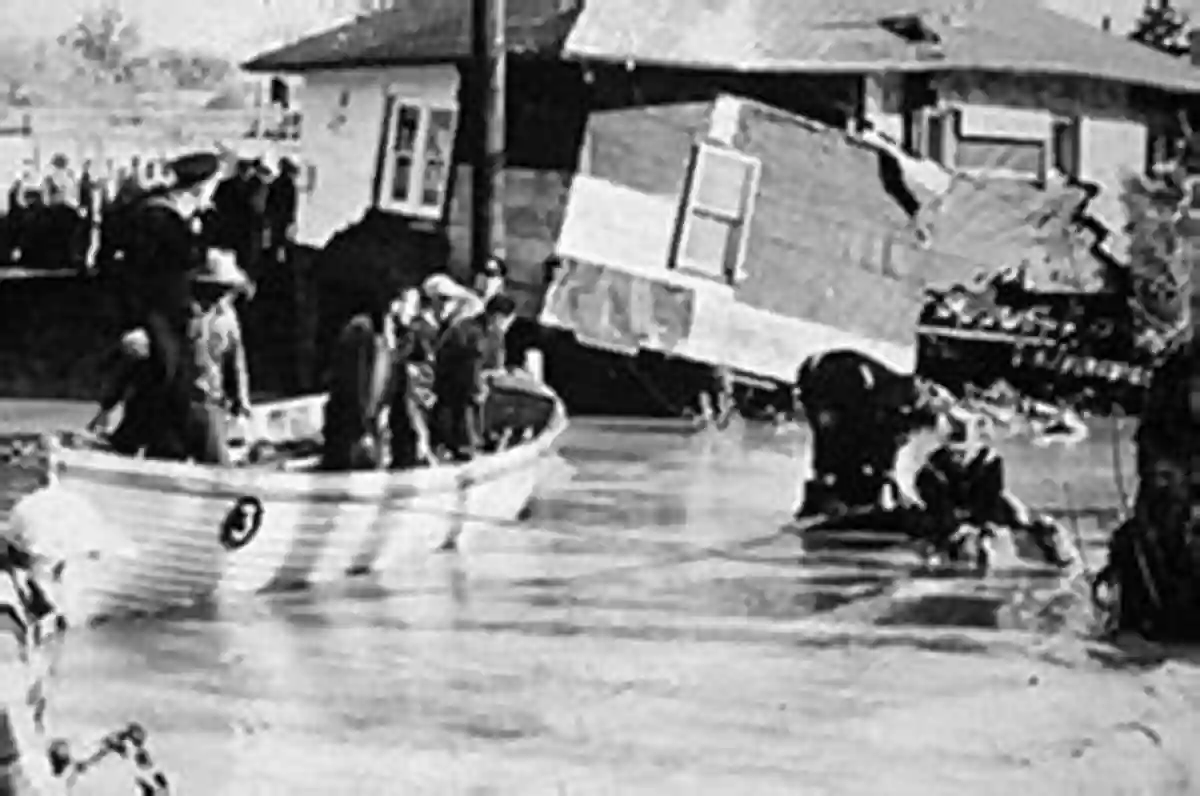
(409, 374)
(185, 264)
(180, 373)
(64, 216)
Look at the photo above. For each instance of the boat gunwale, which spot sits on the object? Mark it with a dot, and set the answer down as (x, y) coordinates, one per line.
(280, 486)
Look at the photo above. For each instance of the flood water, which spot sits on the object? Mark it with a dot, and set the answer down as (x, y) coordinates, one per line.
(651, 630)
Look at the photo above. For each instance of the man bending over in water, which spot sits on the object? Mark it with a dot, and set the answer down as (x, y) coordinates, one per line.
(962, 485)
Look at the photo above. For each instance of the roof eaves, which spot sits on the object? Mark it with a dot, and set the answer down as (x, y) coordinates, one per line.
(356, 63)
(816, 66)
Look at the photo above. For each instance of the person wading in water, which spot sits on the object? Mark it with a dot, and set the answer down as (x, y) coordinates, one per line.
(966, 499)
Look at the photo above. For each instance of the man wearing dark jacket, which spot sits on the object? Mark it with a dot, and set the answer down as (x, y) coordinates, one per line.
(164, 250)
(467, 347)
(281, 211)
(238, 218)
(359, 382)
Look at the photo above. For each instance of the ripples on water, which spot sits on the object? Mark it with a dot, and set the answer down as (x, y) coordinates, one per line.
(651, 630)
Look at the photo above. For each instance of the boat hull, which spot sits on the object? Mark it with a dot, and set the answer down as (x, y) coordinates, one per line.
(146, 536)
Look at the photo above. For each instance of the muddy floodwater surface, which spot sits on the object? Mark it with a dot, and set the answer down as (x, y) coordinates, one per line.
(652, 630)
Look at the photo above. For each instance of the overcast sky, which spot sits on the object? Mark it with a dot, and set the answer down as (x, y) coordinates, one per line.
(235, 27)
(240, 27)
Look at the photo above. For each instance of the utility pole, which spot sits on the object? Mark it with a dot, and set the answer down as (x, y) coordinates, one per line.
(489, 65)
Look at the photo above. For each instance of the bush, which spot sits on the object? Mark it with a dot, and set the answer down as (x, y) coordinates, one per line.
(1161, 258)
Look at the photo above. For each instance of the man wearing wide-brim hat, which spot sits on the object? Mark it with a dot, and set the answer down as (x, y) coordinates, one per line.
(220, 383)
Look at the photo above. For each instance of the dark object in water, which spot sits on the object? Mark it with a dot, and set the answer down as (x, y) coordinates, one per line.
(861, 413)
(1152, 579)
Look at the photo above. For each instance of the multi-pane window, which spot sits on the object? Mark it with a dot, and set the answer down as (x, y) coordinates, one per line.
(714, 221)
(416, 164)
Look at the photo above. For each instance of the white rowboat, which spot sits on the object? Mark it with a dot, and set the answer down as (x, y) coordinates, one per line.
(145, 535)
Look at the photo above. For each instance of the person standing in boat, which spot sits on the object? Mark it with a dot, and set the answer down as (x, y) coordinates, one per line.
(493, 279)
(163, 247)
(408, 426)
(451, 301)
(218, 379)
(360, 379)
(214, 381)
(460, 383)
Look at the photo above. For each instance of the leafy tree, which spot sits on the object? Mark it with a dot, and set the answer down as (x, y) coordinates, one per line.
(1164, 28)
(1160, 241)
(1161, 254)
(191, 70)
(104, 38)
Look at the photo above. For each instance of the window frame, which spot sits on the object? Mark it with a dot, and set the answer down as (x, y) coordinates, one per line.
(414, 205)
(1072, 126)
(950, 116)
(1002, 173)
(690, 206)
(918, 129)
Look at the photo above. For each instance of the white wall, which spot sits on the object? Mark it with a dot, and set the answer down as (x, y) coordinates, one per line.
(997, 120)
(1110, 149)
(342, 145)
(881, 100)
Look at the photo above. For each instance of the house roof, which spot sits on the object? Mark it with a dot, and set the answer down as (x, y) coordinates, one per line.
(749, 35)
(419, 31)
(811, 35)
